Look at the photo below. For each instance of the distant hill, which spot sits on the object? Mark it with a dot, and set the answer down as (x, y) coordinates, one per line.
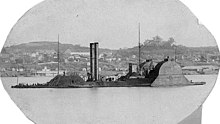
(157, 45)
(168, 50)
(147, 48)
(178, 48)
(45, 45)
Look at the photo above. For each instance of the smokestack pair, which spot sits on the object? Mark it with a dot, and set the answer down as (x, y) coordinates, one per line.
(94, 65)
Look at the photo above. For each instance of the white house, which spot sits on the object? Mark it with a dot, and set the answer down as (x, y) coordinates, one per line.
(47, 72)
(80, 53)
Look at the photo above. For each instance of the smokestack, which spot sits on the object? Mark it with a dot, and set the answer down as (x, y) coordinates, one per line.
(96, 62)
(94, 68)
(91, 60)
(130, 68)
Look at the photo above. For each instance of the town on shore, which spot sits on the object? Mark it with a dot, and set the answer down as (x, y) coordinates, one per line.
(41, 58)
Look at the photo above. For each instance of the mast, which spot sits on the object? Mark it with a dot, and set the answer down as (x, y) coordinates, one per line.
(17, 72)
(58, 54)
(139, 47)
(175, 53)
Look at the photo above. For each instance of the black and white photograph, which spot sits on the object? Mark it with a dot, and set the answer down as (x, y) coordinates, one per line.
(110, 62)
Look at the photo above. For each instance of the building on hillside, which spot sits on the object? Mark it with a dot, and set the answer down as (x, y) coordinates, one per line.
(203, 69)
(48, 72)
(49, 52)
(34, 54)
(81, 53)
(192, 68)
(68, 52)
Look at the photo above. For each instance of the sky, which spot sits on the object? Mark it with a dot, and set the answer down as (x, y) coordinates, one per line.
(112, 23)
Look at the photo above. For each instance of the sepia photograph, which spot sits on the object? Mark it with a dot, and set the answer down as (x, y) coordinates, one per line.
(109, 62)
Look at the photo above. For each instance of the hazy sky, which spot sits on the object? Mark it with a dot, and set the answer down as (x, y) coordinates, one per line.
(113, 23)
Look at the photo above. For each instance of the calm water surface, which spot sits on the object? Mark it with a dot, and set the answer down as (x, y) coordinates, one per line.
(137, 105)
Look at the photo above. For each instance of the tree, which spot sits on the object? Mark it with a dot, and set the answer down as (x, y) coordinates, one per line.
(45, 58)
(19, 61)
(27, 59)
(3, 51)
(203, 58)
(157, 39)
(171, 41)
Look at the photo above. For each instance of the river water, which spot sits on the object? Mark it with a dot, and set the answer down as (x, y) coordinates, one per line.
(117, 105)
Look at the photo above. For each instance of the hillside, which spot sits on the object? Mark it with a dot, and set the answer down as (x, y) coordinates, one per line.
(146, 49)
(45, 45)
(166, 48)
